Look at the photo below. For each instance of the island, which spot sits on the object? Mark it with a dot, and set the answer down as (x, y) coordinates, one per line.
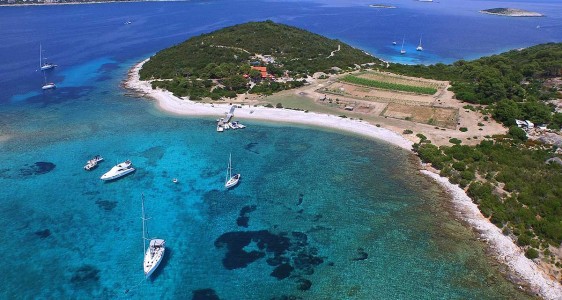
(511, 12)
(381, 6)
(471, 123)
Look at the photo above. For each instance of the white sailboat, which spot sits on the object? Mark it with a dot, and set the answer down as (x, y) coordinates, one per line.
(402, 51)
(43, 66)
(420, 48)
(155, 252)
(231, 180)
(47, 85)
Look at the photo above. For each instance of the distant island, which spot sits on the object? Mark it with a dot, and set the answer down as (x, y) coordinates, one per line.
(381, 6)
(511, 12)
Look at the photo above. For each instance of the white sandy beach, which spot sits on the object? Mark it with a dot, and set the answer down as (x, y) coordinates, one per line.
(522, 268)
(170, 103)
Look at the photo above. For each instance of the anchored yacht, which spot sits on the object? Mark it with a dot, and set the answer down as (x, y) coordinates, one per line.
(155, 252)
(119, 170)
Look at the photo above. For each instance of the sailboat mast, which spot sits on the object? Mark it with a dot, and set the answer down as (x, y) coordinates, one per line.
(143, 227)
(40, 56)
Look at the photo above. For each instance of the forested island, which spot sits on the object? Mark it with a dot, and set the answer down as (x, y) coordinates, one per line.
(255, 57)
(511, 12)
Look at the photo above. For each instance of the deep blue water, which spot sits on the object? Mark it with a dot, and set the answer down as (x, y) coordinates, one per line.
(346, 215)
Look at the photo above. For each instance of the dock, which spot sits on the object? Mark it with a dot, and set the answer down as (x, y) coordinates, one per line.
(224, 123)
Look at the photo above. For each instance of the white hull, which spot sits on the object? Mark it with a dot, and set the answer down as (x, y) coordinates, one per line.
(49, 86)
(233, 181)
(48, 67)
(119, 170)
(153, 256)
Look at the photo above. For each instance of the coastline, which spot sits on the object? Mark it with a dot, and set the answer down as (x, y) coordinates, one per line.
(523, 271)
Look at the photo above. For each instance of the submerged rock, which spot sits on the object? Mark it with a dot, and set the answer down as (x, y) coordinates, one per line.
(38, 168)
(85, 276)
(282, 271)
(106, 204)
(205, 294)
(304, 284)
(43, 233)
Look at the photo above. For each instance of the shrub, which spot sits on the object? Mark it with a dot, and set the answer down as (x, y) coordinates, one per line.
(532, 253)
(463, 129)
(279, 105)
(269, 105)
(407, 131)
(421, 136)
(517, 133)
(455, 141)
(480, 124)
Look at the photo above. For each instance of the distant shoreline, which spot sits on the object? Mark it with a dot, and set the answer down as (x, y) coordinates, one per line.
(84, 3)
(510, 12)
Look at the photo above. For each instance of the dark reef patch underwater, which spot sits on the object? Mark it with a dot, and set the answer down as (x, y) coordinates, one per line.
(285, 252)
(38, 168)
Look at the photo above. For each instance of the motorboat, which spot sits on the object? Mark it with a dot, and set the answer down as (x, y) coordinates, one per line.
(92, 163)
(119, 170)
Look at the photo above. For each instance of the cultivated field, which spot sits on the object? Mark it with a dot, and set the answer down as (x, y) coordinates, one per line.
(439, 116)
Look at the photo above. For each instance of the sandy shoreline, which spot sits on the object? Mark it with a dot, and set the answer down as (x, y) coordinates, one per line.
(524, 271)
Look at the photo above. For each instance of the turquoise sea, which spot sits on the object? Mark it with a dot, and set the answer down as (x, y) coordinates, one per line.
(318, 214)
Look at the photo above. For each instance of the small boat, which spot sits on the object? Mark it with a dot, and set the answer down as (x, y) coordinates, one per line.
(47, 85)
(420, 48)
(156, 248)
(92, 163)
(231, 181)
(128, 22)
(238, 125)
(233, 125)
(43, 66)
(119, 170)
(220, 128)
(175, 180)
(402, 51)
(394, 43)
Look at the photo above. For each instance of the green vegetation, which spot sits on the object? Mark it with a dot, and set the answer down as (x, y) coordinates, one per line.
(515, 188)
(512, 82)
(388, 85)
(214, 64)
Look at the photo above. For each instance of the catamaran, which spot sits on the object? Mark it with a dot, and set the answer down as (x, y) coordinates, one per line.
(43, 66)
(119, 170)
(231, 180)
(420, 48)
(155, 252)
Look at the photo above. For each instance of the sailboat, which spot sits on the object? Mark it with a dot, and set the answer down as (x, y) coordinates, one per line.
(47, 85)
(420, 48)
(156, 248)
(402, 51)
(43, 66)
(231, 180)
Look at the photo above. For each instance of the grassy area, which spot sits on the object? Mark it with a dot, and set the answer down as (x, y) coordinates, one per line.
(388, 86)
